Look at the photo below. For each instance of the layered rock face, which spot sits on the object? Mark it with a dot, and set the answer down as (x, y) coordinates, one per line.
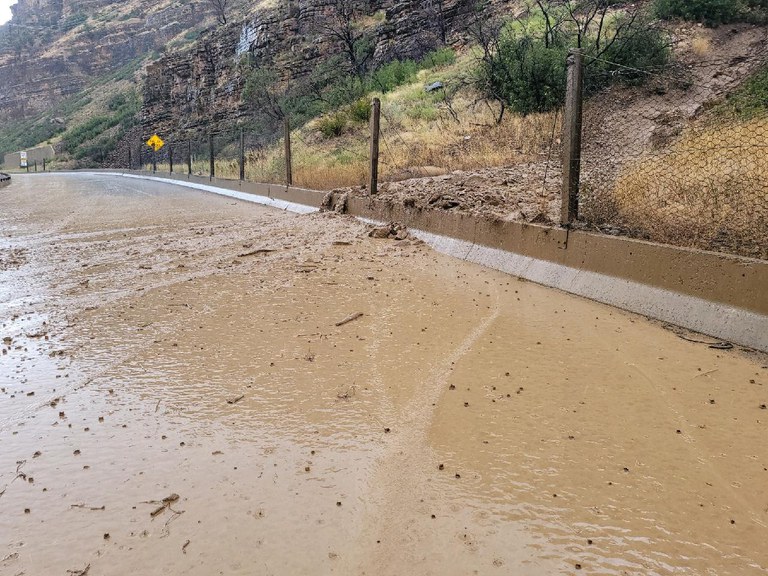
(201, 89)
(52, 48)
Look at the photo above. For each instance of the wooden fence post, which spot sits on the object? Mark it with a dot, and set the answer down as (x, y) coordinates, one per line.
(242, 155)
(212, 170)
(373, 183)
(170, 158)
(189, 158)
(572, 137)
(288, 159)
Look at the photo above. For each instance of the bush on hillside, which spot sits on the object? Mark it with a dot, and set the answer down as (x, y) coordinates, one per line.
(360, 110)
(524, 74)
(524, 70)
(333, 125)
(646, 49)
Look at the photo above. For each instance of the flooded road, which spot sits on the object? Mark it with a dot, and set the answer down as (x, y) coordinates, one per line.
(176, 397)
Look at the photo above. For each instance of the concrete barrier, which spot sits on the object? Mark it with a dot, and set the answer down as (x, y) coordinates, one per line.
(716, 294)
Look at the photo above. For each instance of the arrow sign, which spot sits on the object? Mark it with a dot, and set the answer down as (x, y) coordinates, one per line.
(155, 142)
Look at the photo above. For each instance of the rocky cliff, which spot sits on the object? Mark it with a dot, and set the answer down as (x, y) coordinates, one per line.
(201, 88)
(52, 48)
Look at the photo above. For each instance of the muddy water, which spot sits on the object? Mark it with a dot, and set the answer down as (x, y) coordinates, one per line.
(467, 423)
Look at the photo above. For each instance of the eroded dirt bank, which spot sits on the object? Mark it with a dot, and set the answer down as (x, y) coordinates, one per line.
(176, 398)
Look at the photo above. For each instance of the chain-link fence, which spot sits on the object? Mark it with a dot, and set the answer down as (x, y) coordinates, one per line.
(677, 155)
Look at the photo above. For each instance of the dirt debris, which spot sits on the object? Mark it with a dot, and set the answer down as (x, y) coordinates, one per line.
(426, 333)
(392, 231)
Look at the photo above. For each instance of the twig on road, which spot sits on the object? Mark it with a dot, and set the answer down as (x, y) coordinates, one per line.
(349, 319)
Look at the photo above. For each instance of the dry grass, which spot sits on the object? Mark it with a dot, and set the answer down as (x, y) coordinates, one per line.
(701, 45)
(418, 129)
(473, 141)
(418, 132)
(707, 190)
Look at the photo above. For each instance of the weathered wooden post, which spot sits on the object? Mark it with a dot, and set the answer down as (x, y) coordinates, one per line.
(43, 164)
(130, 164)
(210, 150)
(242, 155)
(572, 137)
(288, 160)
(189, 158)
(141, 147)
(373, 183)
(170, 158)
(35, 165)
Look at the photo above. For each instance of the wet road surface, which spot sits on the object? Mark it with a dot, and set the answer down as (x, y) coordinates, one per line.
(176, 398)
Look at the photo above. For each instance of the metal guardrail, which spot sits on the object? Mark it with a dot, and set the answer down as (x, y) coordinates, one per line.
(4, 178)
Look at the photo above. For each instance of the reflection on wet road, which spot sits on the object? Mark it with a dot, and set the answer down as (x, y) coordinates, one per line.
(159, 341)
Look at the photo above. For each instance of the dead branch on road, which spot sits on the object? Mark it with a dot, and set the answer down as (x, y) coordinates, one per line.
(349, 319)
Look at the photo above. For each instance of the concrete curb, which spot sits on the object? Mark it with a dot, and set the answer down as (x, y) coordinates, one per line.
(716, 294)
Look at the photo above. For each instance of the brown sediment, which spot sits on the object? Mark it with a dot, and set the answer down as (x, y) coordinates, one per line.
(360, 460)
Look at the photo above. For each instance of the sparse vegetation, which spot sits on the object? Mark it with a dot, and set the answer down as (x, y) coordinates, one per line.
(95, 137)
(73, 21)
(27, 134)
(713, 12)
(522, 62)
(332, 125)
(750, 100)
(329, 91)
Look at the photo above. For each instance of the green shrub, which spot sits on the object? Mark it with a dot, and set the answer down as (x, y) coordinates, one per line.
(438, 58)
(524, 74)
(524, 69)
(332, 125)
(117, 101)
(423, 111)
(360, 110)
(392, 75)
(80, 139)
(646, 49)
(713, 12)
(89, 130)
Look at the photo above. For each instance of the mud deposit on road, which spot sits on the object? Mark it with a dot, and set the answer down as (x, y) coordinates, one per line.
(177, 398)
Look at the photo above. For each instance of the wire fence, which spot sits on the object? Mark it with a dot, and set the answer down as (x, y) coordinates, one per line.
(229, 154)
(675, 161)
(677, 155)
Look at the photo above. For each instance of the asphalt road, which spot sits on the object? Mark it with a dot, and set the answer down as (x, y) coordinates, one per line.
(176, 397)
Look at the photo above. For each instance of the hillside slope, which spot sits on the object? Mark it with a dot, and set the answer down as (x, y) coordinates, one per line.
(51, 49)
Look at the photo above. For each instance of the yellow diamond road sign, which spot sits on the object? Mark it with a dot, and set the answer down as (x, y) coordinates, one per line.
(155, 142)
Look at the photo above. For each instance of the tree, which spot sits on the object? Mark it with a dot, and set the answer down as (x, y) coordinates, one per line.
(263, 95)
(340, 23)
(435, 10)
(220, 8)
